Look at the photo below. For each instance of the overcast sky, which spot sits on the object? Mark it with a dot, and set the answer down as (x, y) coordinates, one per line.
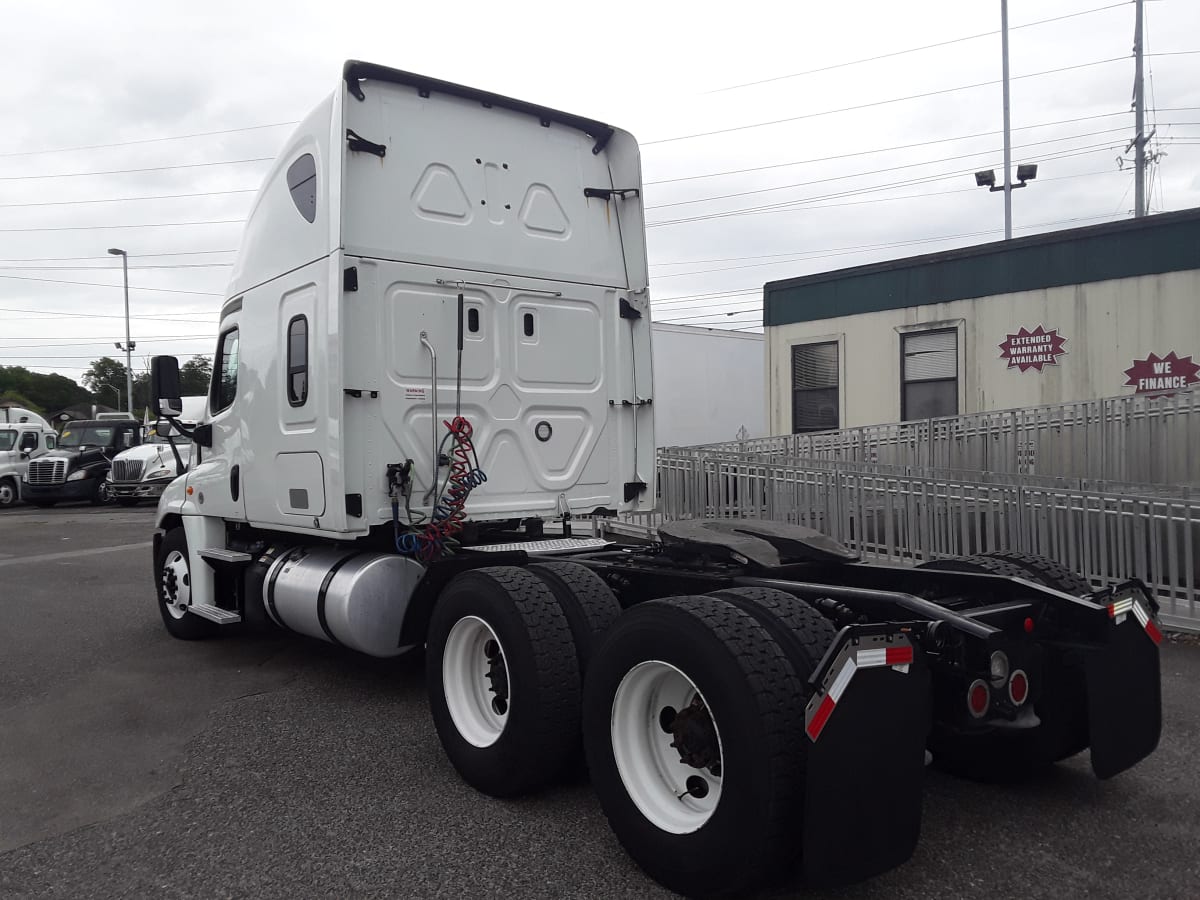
(83, 74)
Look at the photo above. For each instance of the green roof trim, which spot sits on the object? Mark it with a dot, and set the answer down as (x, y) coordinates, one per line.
(1168, 242)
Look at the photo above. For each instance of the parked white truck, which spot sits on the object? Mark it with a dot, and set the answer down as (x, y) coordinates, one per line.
(436, 339)
(24, 435)
(144, 471)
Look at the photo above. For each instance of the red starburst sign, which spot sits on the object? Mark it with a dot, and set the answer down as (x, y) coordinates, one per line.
(1163, 375)
(1032, 349)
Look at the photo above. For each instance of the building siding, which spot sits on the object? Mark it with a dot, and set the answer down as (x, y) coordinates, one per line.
(1107, 325)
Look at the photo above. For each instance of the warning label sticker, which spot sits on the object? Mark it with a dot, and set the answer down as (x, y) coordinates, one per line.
(415, 393)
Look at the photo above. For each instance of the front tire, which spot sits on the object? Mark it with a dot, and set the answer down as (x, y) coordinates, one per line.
(503, 680)
(706, 805)
(173, 574)
(8, 493)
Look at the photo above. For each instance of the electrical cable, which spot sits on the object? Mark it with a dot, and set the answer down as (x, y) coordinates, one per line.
(126, 199)
(895, 53)
(176, 137)
(841, 156)
(114, 286)
(224, 162)
(117, 227)
(875, 103)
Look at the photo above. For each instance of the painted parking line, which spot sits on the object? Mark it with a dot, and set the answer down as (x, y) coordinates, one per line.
(73, 554)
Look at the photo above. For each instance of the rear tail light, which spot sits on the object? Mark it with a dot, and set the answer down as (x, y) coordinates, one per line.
(978, 698)
(1018, 687)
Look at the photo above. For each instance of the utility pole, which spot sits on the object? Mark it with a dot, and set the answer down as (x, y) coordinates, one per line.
(1007, 134)
(129, 345)
(1139, 106)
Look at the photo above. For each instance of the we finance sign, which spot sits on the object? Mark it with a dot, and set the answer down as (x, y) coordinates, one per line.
(1032, 349)
(1163, 375)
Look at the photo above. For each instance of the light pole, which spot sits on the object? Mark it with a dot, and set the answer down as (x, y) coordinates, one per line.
(129, 345)
(117, 390)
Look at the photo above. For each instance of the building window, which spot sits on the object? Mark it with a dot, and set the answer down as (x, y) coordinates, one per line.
(814, 387)
(929, 364)
(302, 183)
(297, 361)
(224, 383)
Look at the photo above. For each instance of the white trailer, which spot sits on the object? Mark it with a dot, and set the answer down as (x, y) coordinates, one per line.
(437, 339)
(709, 385)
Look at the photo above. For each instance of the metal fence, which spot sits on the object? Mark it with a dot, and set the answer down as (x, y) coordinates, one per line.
(906, 518)
(1131, 439)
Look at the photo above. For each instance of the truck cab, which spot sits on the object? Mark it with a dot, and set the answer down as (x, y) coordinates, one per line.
(142, 472)
(24, 435)
(77, 470)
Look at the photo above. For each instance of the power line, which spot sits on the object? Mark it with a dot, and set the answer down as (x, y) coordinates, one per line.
(969, 37)
(839, 251)
(93, 357)
(165, 317)
(841, 156)
(126, 199)
(112, 268)
(793, 205)
(874, 103)
(177, 137)
(225, 162)
(96, 343)
(139, 256)
(915, 165)
(111, 227)
(113, 286)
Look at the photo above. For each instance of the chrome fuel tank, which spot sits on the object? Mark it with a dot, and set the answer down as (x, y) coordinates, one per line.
(350, 597)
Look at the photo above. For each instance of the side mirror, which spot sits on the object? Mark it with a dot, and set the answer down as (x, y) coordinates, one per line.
(29, 442)
(165, 391)
(127, 439)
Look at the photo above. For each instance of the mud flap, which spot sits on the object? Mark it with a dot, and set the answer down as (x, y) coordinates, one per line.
(1124, 687)
(866, 724)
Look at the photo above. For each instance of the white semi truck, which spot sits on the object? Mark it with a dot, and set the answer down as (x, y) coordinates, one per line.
(436, 346)
(143, 472)
(24, 435)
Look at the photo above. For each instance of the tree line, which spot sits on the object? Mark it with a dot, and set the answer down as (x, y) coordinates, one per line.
(101, 384)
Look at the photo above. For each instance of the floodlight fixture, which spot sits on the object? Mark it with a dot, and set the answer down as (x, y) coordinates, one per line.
(986, 178)
(1026, 172)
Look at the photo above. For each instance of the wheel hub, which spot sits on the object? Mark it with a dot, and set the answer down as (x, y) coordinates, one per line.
(497, 676)
(693, 735)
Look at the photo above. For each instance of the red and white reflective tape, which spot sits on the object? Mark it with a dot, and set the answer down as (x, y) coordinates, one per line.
(898, 656)
(1121, 608)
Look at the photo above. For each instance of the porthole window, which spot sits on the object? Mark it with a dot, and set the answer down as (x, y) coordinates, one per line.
(302, 183)
(297, 361)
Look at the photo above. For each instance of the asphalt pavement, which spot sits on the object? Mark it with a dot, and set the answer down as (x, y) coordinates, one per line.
(135, 765)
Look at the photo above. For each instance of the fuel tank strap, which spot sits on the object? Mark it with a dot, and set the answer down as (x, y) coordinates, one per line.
(276, 568)
(321, 594)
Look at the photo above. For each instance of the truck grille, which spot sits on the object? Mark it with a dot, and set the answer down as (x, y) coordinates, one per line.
(127, 470)
(47, 471)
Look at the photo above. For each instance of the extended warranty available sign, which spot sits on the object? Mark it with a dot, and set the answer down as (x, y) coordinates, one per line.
(1163, 375)
(1032, 349)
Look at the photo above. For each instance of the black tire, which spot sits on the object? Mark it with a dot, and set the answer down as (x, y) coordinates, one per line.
(1047, 571)
(102, 495)
(587, 602)
(126, 501)
(542, 701)
(802, 632)
(172, 572)
(753, 696)
(1004, 755)
(10, 493)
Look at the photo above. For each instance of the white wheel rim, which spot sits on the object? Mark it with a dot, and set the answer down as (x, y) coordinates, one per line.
(478, 709)
(7, 493)
(176, 584)
(654, 775)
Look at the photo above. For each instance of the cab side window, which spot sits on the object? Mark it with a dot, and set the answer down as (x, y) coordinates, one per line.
(297, 361)
(225, 371)
(29, 442)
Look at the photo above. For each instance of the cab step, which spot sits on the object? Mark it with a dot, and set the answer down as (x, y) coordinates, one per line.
(215, 614)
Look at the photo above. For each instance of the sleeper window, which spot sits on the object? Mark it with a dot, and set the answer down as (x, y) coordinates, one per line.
(297, 361)
(302, 183)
